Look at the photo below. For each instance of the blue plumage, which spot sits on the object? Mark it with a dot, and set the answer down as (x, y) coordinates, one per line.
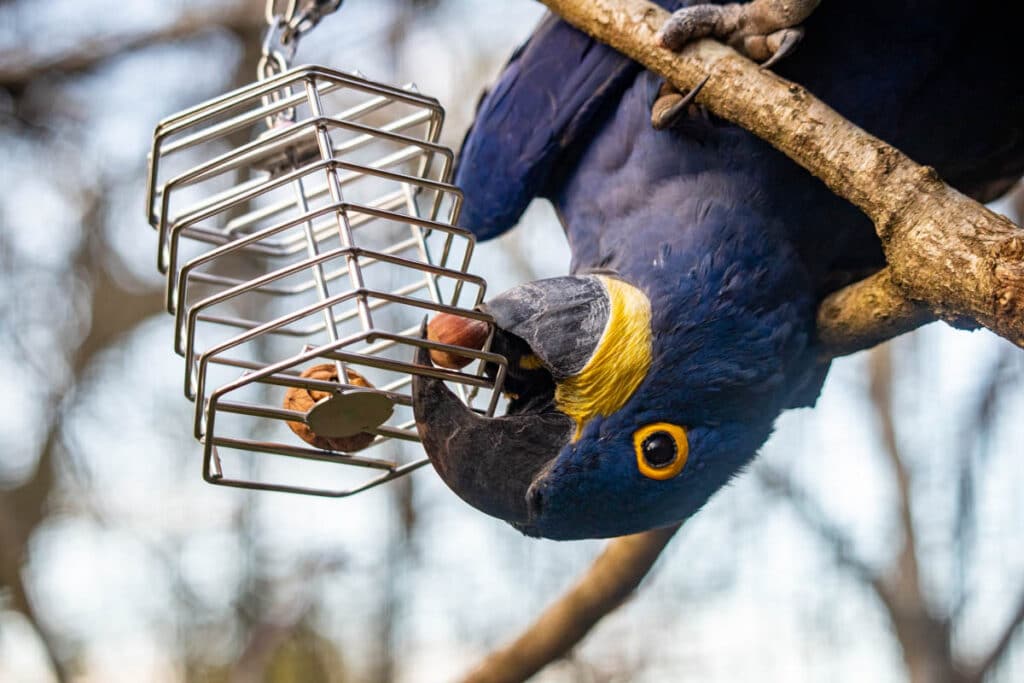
(733, 244)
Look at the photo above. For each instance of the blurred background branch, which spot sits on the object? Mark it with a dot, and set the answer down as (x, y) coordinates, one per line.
(614, 575)
(925, 631)
(20, 67)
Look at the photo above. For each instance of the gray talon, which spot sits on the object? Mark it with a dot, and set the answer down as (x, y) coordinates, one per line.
(787, 40)
(671, 104)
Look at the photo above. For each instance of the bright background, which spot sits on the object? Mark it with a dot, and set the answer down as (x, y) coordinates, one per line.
(117, 563)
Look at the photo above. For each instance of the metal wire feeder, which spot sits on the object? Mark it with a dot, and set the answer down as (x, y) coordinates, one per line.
(309, 218)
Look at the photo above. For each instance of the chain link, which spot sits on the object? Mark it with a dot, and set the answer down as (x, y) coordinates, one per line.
(312, 13)
(272, 14)
(287, 22)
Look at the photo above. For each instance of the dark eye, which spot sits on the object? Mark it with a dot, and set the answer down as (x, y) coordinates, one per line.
(661, 450)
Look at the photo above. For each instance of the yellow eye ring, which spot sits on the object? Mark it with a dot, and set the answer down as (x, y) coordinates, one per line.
(661, 450)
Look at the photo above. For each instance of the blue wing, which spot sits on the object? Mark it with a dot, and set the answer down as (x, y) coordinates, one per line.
(547, 95)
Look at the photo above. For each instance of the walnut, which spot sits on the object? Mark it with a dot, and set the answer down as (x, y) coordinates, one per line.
(457, 331)
(302, 399)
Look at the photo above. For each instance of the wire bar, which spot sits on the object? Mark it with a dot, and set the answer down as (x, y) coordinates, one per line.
(309, 219)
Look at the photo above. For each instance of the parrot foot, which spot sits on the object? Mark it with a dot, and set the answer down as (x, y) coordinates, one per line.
(672, 104)
(763, 30)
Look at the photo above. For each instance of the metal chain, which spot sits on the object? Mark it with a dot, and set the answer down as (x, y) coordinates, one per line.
(311, 13)
(287, 22)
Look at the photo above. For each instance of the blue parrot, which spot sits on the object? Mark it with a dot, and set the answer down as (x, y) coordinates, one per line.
(651, 374)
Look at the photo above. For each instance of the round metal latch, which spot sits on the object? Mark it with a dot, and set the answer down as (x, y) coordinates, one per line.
(349, 413)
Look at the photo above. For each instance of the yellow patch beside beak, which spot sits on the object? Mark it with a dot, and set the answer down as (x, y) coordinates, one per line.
(619, 362)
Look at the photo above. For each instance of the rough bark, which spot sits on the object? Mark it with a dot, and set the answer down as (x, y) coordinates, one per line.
(962, 262)
(867, 313)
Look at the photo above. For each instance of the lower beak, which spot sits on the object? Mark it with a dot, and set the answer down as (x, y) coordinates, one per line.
(489, 462)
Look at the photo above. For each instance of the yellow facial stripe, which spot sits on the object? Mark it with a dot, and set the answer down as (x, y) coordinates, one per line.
(682, 448)
(619, 363)
(531, 362)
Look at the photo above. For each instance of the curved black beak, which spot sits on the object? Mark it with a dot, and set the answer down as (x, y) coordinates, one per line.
(490, 463)
(496, 464)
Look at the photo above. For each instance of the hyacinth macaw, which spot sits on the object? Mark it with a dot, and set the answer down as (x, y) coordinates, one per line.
(649, 376)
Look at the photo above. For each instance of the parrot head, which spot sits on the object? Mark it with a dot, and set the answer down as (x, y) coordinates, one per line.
(631, 402)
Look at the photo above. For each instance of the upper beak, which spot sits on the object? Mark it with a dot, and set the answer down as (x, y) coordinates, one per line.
(490, 462)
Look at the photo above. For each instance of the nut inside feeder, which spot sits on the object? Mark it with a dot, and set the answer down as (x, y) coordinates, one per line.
(337, 420)
(300, 265)
(455, 330)
(340, 420)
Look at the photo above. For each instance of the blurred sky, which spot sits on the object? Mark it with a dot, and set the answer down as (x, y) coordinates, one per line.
(744, 593)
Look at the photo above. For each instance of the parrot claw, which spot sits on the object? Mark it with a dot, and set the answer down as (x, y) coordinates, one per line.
(699, 21)
(787, 40)
(671, 104)
(763, 30)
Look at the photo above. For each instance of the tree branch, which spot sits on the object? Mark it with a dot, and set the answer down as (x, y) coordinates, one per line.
(907, 573)
(960, 260)
(814, 518)
(866, 314)
(995, 655)
(614, 575)
(24, 507)
(13, 544)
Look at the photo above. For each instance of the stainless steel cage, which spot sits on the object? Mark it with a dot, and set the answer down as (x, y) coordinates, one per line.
(309, 218)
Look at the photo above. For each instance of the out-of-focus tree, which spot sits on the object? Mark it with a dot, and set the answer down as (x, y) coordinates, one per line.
(70, 302)
(924, 614)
